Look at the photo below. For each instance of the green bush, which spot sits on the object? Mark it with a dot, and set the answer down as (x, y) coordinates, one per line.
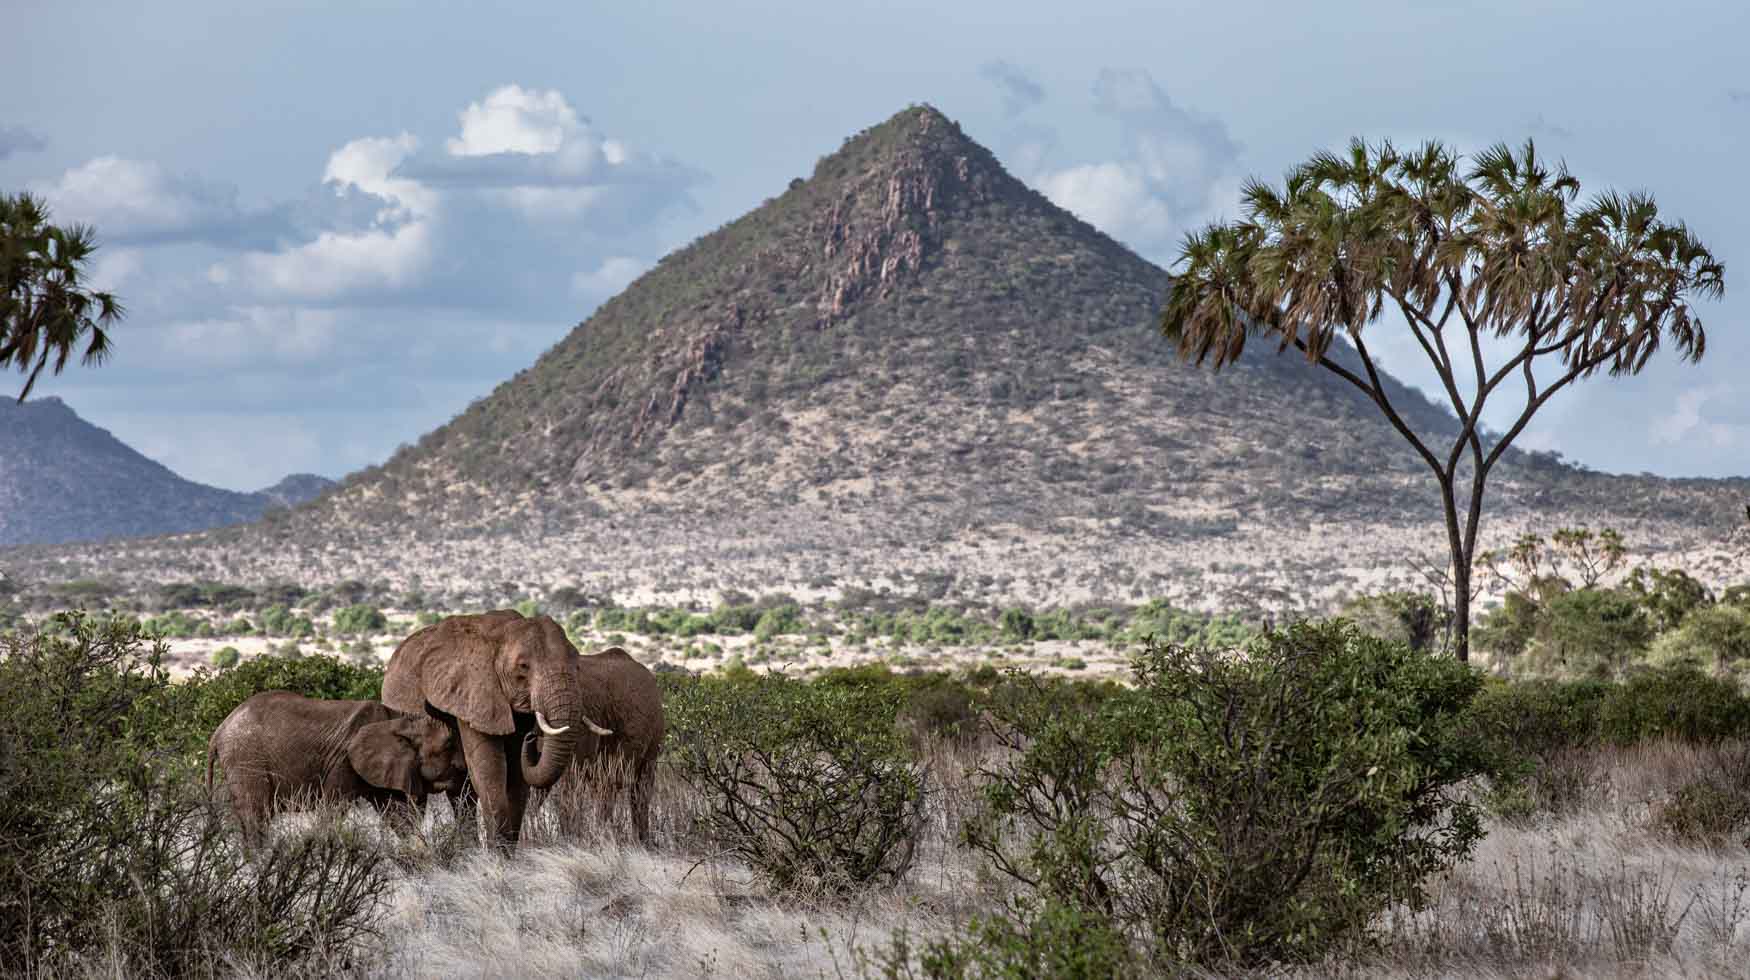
(177, 624)
(1711, 637)
(1538, 718)
(361, 618)
(779, 620)
(225, 657)
(1239, 811)
(1411, 618)
(1160, 621)
(1668, 596)
(812, 785)
(1506, 631)
(1027, 939)
(1590, 632)
(112, 858)
(1017, 625)
(1677, 702)
(277, 620)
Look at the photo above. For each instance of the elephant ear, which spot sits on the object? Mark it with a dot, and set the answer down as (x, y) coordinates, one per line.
(383, 758)
(452, 666)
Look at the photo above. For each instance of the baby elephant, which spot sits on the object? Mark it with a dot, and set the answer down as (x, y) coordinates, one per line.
(280, 750)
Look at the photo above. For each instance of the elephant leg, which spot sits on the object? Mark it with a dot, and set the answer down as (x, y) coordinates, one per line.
(643, 782)
(491, 768)
(252, 802)
(516, 793)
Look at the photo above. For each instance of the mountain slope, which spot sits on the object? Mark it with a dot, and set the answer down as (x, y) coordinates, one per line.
(911, 363)
(910, 282)
(64, 479)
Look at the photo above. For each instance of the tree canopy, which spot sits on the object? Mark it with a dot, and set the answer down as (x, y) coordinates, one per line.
(1502, 250)
(45, 311)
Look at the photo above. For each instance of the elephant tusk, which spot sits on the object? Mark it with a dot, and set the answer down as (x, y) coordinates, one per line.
(599, 730)
(547, 729)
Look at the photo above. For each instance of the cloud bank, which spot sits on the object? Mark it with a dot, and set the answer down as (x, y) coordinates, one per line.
(411, 276)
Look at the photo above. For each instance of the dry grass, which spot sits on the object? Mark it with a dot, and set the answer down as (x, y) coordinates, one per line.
(1594, 892)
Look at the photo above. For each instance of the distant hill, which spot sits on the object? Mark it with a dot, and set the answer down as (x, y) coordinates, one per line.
(907, 364)
(63, 479)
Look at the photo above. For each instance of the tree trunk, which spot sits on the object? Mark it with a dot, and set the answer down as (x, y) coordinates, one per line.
(1461, 607)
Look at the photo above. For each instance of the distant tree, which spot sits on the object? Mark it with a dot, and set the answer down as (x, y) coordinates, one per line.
(1502, 253)
(44, 311)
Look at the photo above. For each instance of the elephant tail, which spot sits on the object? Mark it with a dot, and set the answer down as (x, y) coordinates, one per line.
(210, 755)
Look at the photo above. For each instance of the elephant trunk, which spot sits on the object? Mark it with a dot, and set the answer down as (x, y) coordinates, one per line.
(558, 720)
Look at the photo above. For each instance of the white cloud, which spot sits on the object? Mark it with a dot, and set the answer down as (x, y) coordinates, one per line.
(279, 335)
(1688, 422)
(369, 165)
(336, 265)
(139, 202)
(614, 274)
(1178, 169)
(392, 255)
(513, 119)
(1116, 198)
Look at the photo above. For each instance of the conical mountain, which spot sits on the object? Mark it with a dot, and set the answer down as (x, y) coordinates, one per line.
(909, 310)
(910, 362)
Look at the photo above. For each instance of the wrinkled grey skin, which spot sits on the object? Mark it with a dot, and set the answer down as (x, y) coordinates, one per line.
(623, 695)
(485, 677)
(280, 751)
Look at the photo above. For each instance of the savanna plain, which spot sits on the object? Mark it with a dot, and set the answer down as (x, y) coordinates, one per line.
(887, 784)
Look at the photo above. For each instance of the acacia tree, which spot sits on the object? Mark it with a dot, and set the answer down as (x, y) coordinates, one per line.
(1503, 251)
(45, 312)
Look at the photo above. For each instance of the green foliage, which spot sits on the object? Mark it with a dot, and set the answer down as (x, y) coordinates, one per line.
(1017, 625)
(1668, 596)
(1411, 618)
(812, 785)
(1676, 702)
(1239, 811)
(277, 620)
(1710, 637)
(1539, 718)
(113, 859)
(1590, 632)
(361, 618)
(177, 624)
(1045, 939)
(1507, 630)
(225, 657)
(781, 619)
(1163, 623)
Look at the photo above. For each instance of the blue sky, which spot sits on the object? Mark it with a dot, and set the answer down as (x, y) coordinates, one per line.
(335, 224)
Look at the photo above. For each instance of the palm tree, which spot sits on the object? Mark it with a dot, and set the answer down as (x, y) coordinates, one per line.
(1504, 250)
(44, 311)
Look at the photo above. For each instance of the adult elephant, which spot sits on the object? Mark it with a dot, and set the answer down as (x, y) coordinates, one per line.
(624, 695)
(508, 686)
